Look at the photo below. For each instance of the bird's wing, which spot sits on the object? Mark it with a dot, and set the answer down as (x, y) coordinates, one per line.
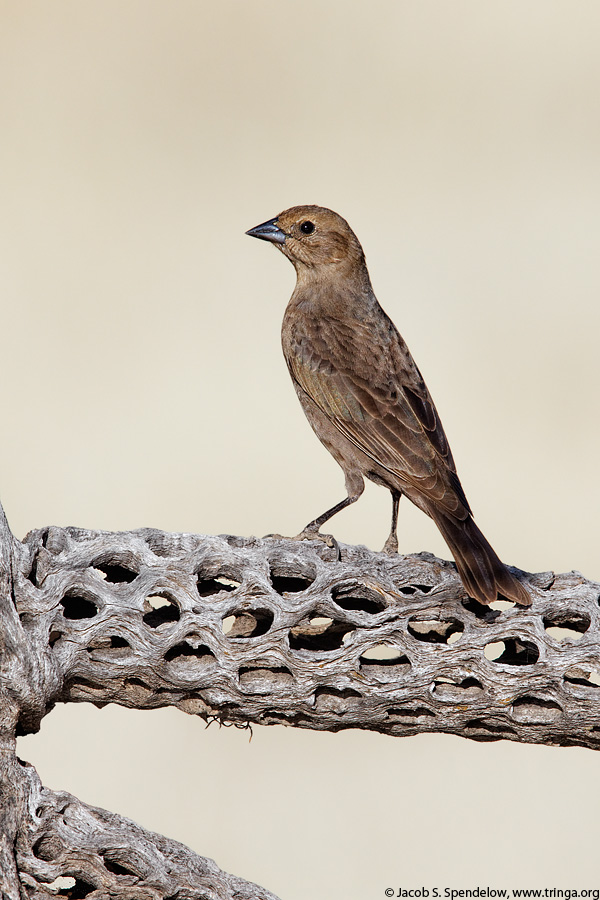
(371, 390)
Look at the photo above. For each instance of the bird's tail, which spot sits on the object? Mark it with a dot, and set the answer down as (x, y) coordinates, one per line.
(482, 573)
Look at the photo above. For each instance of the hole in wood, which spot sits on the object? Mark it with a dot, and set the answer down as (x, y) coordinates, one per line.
(161, 610)
(77, 607)
(318, 634)
(485, 613)
(358, 597)
(563, 634)
(565, 625)
(138, 689)
(409, 589)
(335, 700)
(384, 662)
(190, 650)
(264, 679)
(114, 571)
(515, 652)
(116, 642)
(114, 646)
(494, 650)
(489, 612)
(247, 623)
(589, 678)
(228, 623)
(69, 886)
(116, 867)
(32, 575)
(85, 689)
(502, 604)
(382, 654)
(435, 631)
(287, 583)
(482, 730)
(48, 848)
(457, 691)
(85, 683)
(194, 705)
(208, 586)
(531, 710)
(61, 883)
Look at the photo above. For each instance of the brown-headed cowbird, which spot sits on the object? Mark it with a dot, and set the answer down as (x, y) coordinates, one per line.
(365, 397)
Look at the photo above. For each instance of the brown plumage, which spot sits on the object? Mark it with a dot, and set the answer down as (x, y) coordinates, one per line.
(365, 397)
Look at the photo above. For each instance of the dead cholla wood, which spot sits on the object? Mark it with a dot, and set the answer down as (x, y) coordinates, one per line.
(15, 672)
(68, 848)
(281, 632)
(51, 844)
(64, 848)
(258, 631)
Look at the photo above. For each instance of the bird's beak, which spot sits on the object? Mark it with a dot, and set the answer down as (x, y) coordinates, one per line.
(268, 231)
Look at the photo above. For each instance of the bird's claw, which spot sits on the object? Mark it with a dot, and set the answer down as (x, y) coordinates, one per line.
(327, 539)
(391, 546)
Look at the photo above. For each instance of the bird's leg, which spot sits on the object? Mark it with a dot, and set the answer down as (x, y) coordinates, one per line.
(312, 529)
(355, 486)
(391, 545)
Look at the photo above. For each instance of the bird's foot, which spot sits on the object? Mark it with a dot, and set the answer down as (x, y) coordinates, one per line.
(309, 535)
(313, 534)
(391, 545)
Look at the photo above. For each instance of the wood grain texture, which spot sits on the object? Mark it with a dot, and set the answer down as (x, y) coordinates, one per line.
(266, 631)
(83, 851)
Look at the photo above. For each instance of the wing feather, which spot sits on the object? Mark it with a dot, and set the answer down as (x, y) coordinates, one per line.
(370, 389)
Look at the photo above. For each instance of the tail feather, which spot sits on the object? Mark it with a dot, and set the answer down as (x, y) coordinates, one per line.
(481, 571)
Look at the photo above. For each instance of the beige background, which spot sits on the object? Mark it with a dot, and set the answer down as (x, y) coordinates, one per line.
(144, 382)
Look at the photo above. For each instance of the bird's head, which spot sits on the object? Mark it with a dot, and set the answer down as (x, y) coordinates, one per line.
(313, 238)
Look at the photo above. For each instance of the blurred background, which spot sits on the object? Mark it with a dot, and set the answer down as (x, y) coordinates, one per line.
(144, 383)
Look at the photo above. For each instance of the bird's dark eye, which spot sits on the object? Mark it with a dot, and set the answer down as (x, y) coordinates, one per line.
(307, 228)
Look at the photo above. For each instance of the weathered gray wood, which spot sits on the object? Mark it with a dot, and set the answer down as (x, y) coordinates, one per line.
(95, 853)
(11, 684)
(271, 631)
(304, 627)
(51, 843)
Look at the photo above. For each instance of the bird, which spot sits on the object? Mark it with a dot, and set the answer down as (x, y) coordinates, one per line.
(365, 398)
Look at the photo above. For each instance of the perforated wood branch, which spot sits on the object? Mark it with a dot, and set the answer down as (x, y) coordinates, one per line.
(51, 844)
(278, 632)
(69, 849)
